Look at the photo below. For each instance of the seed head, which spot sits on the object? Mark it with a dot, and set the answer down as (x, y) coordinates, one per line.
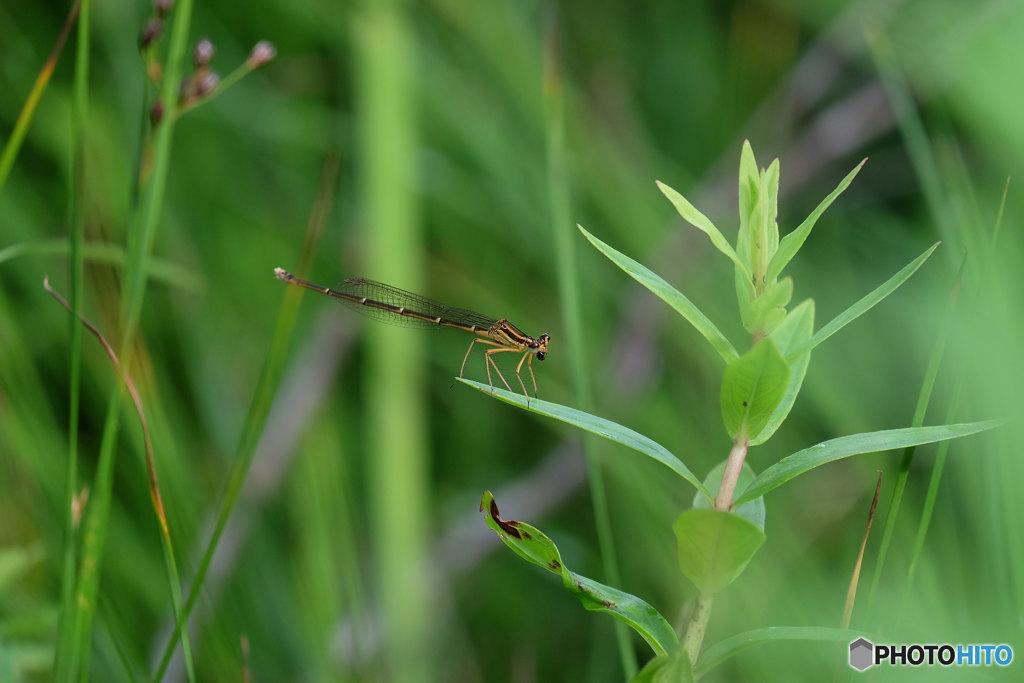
(262, 52)
(203, 53)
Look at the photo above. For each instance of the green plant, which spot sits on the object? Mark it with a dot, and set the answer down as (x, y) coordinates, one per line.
(723, 530)
(85, 534)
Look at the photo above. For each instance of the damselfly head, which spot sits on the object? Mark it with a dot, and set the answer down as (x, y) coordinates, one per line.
(540, 346)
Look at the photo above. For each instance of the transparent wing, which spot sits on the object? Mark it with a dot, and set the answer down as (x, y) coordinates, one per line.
(372, 290)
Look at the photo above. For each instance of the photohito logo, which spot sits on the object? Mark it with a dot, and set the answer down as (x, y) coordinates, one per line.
(864, 654)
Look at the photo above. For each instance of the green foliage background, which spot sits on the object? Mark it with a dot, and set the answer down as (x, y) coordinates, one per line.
(357, 552)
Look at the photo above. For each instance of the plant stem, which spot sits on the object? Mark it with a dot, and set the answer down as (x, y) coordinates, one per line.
(732, 474)
(723, 501)
(697, 626)
(398, 476)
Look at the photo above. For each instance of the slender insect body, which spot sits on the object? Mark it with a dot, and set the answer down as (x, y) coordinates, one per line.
(385, 302)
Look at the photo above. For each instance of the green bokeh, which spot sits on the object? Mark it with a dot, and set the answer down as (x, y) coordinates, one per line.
(653, 91)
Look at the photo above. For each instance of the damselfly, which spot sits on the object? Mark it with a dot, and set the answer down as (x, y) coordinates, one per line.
(397, 305)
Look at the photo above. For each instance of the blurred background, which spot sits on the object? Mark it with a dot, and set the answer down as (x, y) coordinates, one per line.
(456, 143)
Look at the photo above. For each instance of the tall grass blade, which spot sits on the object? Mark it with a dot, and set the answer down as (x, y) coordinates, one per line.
(154, 485)
(572, 305)
(923, 399)
(106, 253)
(10, 151)
(65, 636)
(263, 395)
(136, 268)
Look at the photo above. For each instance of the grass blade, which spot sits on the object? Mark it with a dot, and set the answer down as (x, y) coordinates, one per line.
(136, 269)
(571, 301)
(108, 253)
(154, 485)
(923, 399)
(855, 444)
(670, 295)
(10, 151)
(595, 425)
(851, 591)
(263, 396)
(65, 636)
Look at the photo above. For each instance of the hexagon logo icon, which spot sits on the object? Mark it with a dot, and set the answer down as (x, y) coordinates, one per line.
(861, 654)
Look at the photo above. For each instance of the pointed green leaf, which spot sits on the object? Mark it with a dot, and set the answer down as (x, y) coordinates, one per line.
(746, 247)
(715, 546)
(764, 228)
(670, 295)
(595, 425)
(795, 329)
(532, 545)
(695, 218)
(749, 188)
(855, 444)
(861, 307)
(771, 185)
(752, 388)
(750, 177)
(792, 242)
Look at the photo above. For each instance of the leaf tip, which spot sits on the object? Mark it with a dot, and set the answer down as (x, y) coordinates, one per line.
(676, 198)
